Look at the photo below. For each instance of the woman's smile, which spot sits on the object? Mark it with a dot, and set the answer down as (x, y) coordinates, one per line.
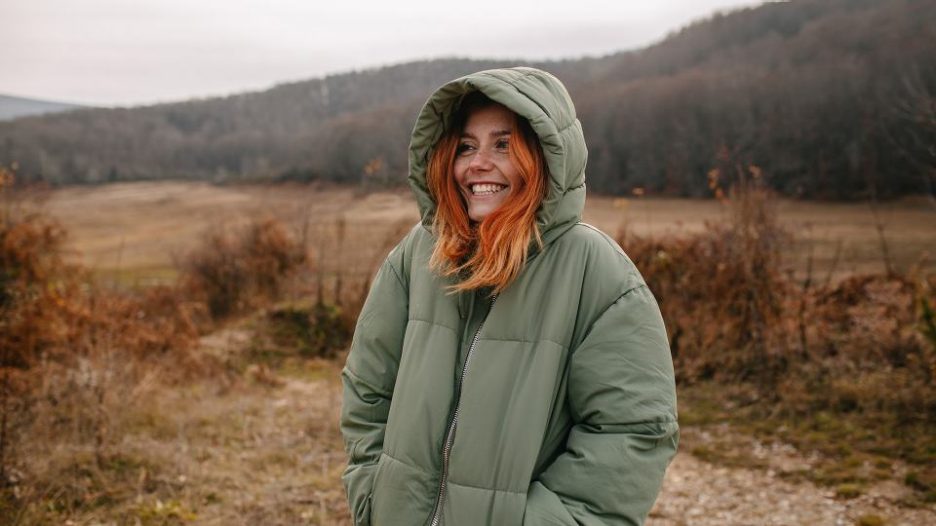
(485, 189)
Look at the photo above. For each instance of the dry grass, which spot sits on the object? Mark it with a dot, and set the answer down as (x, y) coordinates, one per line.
(131, 232)
(136, 232)
(245, 449)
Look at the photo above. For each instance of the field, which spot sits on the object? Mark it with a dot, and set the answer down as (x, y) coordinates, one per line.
(257, 442)
(135, 231)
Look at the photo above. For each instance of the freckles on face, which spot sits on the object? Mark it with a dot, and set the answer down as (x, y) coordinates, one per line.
(485, 175)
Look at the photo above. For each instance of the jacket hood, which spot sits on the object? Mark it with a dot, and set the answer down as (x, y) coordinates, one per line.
(542, 100)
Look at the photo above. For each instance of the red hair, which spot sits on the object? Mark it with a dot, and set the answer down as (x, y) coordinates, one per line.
(493, 252)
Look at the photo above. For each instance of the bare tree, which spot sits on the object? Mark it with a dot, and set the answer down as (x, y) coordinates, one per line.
(916, 106)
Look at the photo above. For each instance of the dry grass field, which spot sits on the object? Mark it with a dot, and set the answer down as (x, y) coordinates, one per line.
(134, 231)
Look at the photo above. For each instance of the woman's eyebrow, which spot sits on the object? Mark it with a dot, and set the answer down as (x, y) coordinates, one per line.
(496, 133)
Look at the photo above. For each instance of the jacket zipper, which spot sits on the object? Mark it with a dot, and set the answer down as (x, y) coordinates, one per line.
(450, 434)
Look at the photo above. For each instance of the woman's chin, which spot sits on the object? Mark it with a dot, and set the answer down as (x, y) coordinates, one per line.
(479, 209)
(478, 213)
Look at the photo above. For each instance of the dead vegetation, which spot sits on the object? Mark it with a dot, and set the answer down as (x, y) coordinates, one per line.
(133, 234)
(90, 374)
(234, 272)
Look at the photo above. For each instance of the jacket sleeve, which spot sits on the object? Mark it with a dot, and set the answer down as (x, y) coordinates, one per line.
(622, 397)
(368, 379)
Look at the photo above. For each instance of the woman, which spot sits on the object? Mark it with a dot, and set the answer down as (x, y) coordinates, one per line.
(510, 366)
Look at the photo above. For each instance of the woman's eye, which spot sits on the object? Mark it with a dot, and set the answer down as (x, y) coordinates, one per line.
(502, 144)
(462, 148)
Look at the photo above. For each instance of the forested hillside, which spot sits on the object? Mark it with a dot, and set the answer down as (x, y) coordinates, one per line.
(831, 98)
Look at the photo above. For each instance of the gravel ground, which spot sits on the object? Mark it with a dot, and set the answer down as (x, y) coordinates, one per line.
(697, 493)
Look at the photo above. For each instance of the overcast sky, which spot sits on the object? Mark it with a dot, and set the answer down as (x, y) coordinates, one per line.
(124, 52)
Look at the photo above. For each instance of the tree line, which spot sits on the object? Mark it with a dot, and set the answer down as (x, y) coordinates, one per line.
(830, 98)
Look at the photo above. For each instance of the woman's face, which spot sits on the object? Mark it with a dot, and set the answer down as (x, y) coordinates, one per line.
(484, 172)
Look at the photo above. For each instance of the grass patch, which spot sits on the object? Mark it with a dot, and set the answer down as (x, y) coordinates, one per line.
(870, 520)
(923, 481)
(849, 490)
(288, 335)
(727, 453)
(82, 482)
(127, 278)
(159, 513)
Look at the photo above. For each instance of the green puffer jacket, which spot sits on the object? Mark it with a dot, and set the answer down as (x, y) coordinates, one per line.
(552, 404)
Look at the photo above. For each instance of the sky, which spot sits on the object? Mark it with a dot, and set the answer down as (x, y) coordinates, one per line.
(130, 52)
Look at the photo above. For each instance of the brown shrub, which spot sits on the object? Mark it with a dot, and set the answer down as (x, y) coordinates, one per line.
(36, 310)
(233, 272)
(863, 346)
(74, 357)
(721, 292)
(35, 288)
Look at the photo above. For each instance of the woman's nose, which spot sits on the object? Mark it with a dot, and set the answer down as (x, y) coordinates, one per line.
(481, 160)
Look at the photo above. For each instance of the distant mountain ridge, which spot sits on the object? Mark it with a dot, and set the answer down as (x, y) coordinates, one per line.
(822, 95)
(12, 107)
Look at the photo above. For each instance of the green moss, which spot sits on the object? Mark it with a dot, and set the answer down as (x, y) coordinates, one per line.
(870, 520)
(704, 453)
(727, 454)
(848, 490)
(159, 513)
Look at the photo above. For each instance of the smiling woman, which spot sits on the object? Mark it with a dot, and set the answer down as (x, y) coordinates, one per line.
(510, 365)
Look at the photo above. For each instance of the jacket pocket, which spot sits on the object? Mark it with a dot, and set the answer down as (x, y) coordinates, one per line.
(543, 508)
(375, 489)
(365, 518)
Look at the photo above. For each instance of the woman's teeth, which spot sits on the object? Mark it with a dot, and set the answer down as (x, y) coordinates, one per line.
(486, 189)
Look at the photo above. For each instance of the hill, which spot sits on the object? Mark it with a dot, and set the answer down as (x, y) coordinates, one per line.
(14, 107)
(831, 98)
